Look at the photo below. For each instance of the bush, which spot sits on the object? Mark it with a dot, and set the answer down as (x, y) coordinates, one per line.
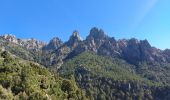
(5, 94)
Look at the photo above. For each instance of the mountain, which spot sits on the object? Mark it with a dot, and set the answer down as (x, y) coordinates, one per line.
(101, 66)
(133, 51)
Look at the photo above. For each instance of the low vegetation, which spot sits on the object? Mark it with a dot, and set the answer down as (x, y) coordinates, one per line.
(24, 80)
(104, 78)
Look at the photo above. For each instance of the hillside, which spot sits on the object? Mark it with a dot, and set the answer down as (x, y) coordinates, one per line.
(107, 79)
(25, 80)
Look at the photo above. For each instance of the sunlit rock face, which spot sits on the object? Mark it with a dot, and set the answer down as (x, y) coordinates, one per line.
(96, 38)
(31, 44)
(10, 38)
(74, 40)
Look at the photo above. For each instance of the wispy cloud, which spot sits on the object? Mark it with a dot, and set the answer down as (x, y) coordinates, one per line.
(146, 8)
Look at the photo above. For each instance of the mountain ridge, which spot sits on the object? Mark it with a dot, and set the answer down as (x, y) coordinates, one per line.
(132, 50)
(27, 39)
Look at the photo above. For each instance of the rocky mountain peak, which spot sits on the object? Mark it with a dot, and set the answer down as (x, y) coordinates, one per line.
(75, 36)
(122, 43)
(54, 44)
(96, 38)
(145, 43)
(32, 44)
(96, 33)
(74, 39)
(134, 41)
(10, 38)
(167, 51)
(55, 40)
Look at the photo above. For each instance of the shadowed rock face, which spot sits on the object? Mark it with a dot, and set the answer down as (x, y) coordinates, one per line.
(166, 54)
(96, 34)
(136, 51)
(132, 51)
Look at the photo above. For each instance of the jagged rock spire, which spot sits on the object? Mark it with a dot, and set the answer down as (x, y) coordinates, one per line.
(75, 36)
(74, 39)
(96, 33)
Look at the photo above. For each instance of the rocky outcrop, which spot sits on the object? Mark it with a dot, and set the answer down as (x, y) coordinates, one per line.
(166, 54)
(10, 38)
(135, 51)
(95, 39)
(30, 44)
(54, 44)
(74, 40)
(62, 50)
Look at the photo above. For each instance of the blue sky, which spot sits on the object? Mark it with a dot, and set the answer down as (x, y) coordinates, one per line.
(45, 19)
